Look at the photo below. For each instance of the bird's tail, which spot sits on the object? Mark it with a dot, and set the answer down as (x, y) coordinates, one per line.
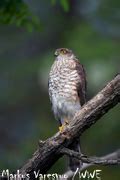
(73, 162)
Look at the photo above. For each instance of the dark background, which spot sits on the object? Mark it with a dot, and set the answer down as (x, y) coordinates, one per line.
(30, 31)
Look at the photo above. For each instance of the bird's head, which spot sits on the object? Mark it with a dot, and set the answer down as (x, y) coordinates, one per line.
(63, 53)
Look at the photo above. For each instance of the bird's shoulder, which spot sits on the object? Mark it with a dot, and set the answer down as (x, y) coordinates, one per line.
(76, 65)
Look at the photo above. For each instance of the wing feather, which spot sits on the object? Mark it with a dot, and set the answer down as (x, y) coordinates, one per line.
(81, 86)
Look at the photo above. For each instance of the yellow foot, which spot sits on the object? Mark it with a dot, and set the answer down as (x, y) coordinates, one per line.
(61, 128)
(62, 132)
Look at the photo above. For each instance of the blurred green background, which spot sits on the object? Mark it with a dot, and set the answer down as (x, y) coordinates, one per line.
(30, 31)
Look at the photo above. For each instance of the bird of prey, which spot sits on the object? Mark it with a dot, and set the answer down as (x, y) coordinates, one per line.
(67, 92)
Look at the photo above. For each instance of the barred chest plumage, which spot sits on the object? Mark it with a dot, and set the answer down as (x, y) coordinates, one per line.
(63, 81)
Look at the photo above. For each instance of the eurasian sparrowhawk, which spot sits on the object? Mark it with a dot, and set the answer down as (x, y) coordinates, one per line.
(67, 91)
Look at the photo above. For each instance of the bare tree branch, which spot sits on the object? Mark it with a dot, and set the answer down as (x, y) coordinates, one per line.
(112, 156)
(93, 160)
(49, 151)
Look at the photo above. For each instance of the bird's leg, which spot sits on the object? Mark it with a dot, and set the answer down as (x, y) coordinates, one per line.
(62, 127)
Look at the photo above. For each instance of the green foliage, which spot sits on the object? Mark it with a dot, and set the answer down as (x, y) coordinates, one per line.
(17, 12)
(64, 3)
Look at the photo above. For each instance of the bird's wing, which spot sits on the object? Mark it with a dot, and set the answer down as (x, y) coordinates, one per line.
(81, 85)
(49, 90)
(74, 64)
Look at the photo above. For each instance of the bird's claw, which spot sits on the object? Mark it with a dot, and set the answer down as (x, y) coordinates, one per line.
(61, 128)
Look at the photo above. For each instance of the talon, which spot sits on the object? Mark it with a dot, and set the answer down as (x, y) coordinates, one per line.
(61, 128)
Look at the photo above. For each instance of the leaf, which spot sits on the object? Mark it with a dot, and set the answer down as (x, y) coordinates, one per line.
(65, 4)
(17, 12)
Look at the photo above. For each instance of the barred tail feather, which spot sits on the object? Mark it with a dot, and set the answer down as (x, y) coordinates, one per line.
(73, 162)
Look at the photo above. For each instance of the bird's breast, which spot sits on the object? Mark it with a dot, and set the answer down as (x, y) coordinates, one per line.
(63, 82)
